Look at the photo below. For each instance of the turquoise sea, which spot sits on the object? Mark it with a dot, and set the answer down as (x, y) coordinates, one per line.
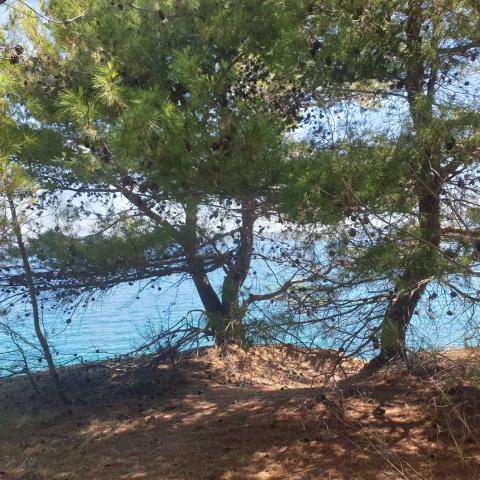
(115, 323)
(119, 322)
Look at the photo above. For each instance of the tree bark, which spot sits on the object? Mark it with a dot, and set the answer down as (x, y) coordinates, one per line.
(224, 313)
(414, 281)
(208, 296)
(232, 311)
(397, 319)
(34, 303)
(422, 264)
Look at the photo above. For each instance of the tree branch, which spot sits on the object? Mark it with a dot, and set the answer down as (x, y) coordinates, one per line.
(461, 232)
(460, 49)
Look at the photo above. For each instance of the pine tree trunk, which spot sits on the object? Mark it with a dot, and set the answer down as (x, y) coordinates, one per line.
(34, 303)
(413, 283)
(225, 315)
(217, 318)
(236, 276)
(422, 265)
(395, 324)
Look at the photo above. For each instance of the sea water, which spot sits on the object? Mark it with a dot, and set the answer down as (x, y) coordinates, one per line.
(121, 320)
(115, 323)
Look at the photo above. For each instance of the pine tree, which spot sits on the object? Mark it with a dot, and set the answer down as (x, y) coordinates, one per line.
(405, 186)
(181, 110)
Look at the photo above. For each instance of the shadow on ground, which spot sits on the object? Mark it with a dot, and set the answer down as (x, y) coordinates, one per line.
(199, 420)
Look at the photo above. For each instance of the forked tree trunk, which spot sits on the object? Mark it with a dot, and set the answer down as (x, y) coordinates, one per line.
(224, 313)
(34, 303)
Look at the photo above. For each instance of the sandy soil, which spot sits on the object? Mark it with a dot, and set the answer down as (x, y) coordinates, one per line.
(271, 413)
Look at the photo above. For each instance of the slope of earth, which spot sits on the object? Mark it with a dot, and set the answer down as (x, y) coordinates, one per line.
(270, 413)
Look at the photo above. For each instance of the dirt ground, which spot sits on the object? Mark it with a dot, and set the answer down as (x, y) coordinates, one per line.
(271, 413)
